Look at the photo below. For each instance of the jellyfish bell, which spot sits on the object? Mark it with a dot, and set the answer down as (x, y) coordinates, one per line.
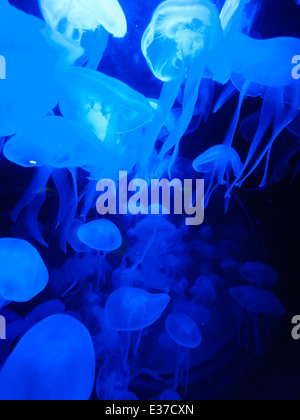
(183, 330)
(55, 360)
(258, 273)
(132, 309)
(23, 273)
(106, 105)
(101, 235)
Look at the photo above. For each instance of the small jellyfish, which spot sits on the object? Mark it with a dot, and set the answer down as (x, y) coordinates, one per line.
(86, 23)
(184, 331)
(113, 378)
(258, 273)
(56, 147)
(23, 273)
(30, 90)
(261, 308)
(55, 360)
(218, 162)
(184, 41)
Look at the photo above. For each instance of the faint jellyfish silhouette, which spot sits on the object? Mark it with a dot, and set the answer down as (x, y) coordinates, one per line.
(258, 273)
(183, 331)
(113, 378)
(55, 360)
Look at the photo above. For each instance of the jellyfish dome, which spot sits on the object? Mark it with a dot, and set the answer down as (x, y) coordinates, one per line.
(55, 360)
(132, 309)
(183, 330)
(180, 32)
(23, 273)
(101, 235)
(258, 273)
(84, 15)
(257, 301)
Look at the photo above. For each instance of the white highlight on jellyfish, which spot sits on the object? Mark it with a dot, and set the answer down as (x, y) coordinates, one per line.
(2, 68)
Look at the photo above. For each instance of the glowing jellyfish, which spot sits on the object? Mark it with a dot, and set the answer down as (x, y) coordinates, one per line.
(56, 147)
(106, 105)
(183, 331)
(86, 23)
(23, 272)
(250, 61)
(183, 41)
(261, 306)
(113, 378)
(169, 395)
(258, 273)
(107, 340)
(73, 239)
(218, 162)
(30, 90)
(101, 235)
(55, 360)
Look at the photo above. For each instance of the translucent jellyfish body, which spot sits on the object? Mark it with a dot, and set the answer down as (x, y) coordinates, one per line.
(55, 360)
(101, 235)
(30, 90)
(113, 378)
(258, 273)
(261, 308)
(131, 309)
(23, 272)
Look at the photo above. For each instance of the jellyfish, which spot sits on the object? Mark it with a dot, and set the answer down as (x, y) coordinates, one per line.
(107, 340)
(55, 360)
(251, 60)
(23, 273)
(113, 378)
(184, 41)
(86, 23)
(56, 147)
(130, 310)
(257, 273)
(261, 306)
(169, 395)
(30, 91)
(218, 162)
(184, 331)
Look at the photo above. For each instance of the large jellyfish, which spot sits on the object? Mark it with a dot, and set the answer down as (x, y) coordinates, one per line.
(251, 61)
(87, 23)
(23, 272)
(57, 147)
(55, 360)
(185, 333)
(261, 306)
(35, 64)
(183, 41)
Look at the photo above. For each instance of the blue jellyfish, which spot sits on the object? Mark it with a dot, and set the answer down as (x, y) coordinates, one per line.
(56, 147)
(258, 273)
(30, 90)
(169, 395)
(86, 24)
(185, 333)
(113, 378)
(55, 360)
(23, 272)
(261, 308)
(219, 162)
(251, 60)
(107, 340)
(184, 41)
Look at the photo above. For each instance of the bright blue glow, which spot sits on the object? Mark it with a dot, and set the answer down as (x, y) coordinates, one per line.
(23, 273)
(55, 360)
(101, 235)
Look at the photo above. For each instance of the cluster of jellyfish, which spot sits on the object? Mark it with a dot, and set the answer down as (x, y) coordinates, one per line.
(135, 307)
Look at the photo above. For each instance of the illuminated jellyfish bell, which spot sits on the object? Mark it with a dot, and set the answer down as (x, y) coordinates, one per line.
(30, 90)
(258, 273)
(132, 309)
(184, 40)
(106, 105)
(56, 147)
(218, 162)
(55, 360)
(23, 273)
(101, 235)
(87, 23)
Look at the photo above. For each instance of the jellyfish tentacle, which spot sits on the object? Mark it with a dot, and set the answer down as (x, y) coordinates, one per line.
(31, 217)
(65, 228)
(38, 184)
